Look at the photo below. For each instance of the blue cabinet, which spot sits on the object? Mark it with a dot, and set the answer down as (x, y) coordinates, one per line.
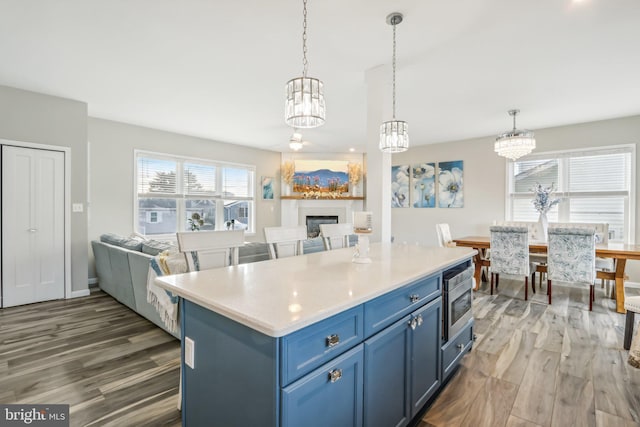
(329, 396)
(402, 367)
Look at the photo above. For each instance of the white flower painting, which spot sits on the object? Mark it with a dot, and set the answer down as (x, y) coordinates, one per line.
(400, 186)
(451, 184)
(424, 182)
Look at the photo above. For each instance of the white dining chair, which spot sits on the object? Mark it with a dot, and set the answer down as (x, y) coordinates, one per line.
(335, 236)
(210, 249)
(444, 235)
(285, 241)
(572, 258)
(510, 254)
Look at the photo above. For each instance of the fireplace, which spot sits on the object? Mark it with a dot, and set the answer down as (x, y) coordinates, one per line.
(313, 223)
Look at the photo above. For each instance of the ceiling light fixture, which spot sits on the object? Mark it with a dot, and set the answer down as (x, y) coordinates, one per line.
(394, 136)
(515, 143)
(295, 142)
(304, 106)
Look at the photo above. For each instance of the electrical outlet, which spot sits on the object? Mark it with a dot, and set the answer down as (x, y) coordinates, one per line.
(77, 207)
(189, 351)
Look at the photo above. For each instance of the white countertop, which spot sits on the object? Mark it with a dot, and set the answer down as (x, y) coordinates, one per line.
(281, 296)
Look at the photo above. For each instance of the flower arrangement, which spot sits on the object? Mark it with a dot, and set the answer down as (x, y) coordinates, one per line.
(196, 221)
(355, 173)
(542, 200)
(288, 170)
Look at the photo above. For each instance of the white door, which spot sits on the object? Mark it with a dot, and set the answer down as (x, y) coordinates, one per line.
(32, 225)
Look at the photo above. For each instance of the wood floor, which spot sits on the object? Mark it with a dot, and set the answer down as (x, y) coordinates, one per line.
(532, 364)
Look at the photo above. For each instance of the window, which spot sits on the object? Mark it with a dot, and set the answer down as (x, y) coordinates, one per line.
(594, 185)
(170, 189)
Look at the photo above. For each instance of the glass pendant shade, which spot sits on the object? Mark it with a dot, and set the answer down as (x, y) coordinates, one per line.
(515, 143)
(394, 136)
(304, 105)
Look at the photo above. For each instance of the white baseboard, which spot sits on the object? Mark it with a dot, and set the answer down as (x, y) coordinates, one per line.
(80, 293)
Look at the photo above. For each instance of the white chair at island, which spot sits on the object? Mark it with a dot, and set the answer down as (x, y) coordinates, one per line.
(210, 249)
(285, 241)
(335, 236)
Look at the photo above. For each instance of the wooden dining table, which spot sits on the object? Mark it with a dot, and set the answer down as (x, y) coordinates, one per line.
(619, 252)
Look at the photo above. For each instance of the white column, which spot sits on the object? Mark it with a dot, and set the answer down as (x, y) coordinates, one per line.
(378, 164)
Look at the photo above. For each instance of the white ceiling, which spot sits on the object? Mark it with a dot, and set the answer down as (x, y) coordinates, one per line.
(217, 69)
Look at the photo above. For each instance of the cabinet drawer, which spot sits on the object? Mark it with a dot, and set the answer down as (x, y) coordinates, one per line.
(385, 310)
(329, 396)
(308, 348)
(457, 347)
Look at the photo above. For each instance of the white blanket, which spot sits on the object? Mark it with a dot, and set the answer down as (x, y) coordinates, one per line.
(164, 301)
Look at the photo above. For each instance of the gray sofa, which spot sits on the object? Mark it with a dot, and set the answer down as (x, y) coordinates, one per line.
(122, 266)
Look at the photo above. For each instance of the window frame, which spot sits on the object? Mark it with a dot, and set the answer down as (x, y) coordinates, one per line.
(562, 156)
(181, 196)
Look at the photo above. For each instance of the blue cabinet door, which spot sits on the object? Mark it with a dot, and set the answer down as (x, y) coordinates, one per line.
(329, 396)
(425, 354)
(387, 366)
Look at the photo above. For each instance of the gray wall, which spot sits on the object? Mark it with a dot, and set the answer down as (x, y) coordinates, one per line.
(485, 179)
(43, 119)
(111, 165)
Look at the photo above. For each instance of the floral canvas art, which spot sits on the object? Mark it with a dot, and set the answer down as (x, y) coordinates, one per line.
(451, 184)
(400, 186)
(423, 193)
(267, 188)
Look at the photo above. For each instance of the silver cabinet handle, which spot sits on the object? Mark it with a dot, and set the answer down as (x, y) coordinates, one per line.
(414, 297)
(32, 230)
(335, 375)
(413, 323)
(460, 347)
(420, 320)
(332, 340)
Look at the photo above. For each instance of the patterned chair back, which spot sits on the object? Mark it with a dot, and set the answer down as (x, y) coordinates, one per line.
(509, 250)
(572, 255)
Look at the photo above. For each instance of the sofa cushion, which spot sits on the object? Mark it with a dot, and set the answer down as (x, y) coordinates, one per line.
(123, 242)
(154, 247)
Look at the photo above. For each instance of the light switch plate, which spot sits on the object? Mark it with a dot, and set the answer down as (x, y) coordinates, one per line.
(77, 207)
(189, 350)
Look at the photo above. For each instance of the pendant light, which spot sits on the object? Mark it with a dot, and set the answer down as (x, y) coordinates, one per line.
(394, 136)
(515, 143)
(304, 106)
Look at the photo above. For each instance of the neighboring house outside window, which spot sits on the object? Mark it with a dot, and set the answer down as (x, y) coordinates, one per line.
(169, 189)
(595, 186)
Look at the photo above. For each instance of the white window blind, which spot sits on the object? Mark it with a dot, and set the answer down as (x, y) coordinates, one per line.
(594, 187)
(156, 176)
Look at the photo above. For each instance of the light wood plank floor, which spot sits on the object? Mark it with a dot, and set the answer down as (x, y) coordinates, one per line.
(532, 364)
(535, 364)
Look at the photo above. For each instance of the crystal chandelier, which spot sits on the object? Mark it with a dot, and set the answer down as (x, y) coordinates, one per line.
(515, 143)
(304, 106)
(394, 136)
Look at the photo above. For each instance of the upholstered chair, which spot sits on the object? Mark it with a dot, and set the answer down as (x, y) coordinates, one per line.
(572, 258)
(632, 305)
(336, 236)
(510, 254)
(285, 241)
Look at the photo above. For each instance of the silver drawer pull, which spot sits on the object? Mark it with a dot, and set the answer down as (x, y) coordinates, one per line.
(32, 230)
(335, 375)
(413, 323)
(332, 340)
(420, 320)
(414, 297)
(460, 347)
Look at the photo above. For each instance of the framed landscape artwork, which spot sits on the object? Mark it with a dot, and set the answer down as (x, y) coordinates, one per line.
(400, 186)
(451, 184)
(423, 180)
(321, 176)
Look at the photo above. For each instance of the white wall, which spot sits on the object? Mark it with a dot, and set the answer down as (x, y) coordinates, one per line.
(485, 179)
(112, 146)
(49, 120)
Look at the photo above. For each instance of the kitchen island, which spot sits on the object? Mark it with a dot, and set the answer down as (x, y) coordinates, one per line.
(316, 339)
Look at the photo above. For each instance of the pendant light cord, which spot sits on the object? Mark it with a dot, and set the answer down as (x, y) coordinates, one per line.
(305, 63)
(394, 70)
